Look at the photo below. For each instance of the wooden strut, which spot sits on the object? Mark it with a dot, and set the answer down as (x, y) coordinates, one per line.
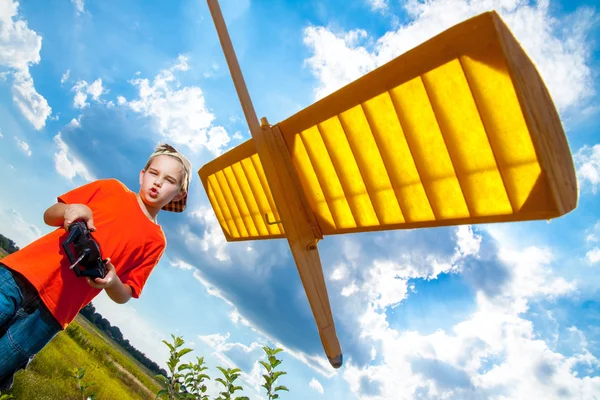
(302, 232)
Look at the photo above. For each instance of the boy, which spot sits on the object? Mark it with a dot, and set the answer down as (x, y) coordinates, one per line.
(40, 295)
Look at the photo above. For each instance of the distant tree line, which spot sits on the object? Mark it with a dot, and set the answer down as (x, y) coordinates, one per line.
(8, 245)
(89, 312)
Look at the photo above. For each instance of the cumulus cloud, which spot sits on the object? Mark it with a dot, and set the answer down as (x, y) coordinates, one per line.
(593, 255)
(237, 355)
(212, 241)
(24, 146)
(385, 283)
(82, 90)
(587, 160)
(495, 352)
(19, 49)
(316, 385)
(179, 113)
(558, 47)
(67, 164)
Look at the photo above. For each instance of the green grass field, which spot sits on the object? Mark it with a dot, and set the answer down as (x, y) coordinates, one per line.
(116, 374)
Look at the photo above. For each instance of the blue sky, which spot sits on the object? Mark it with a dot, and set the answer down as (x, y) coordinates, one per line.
(87, 88)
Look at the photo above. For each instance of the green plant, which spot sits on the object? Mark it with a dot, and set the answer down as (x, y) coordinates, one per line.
(230, 376)
(174, 388)
(79, 374)
(272, 375)
(6, 396)
(193, 380)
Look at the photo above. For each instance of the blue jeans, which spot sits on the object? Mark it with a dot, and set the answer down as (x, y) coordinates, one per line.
(26, 325)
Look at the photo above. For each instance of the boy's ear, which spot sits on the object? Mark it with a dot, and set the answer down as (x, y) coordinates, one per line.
(141, 177)
(180, 195)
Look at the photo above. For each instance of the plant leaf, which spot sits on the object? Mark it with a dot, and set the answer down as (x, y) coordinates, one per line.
(267, 366)
(221, 381)
(183, 352)
(278, 374)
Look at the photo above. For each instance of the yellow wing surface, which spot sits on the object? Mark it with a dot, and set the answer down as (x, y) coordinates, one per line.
(238, 191)
(459, 130)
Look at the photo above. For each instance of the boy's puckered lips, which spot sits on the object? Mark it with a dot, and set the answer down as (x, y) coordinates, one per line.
(153, 192)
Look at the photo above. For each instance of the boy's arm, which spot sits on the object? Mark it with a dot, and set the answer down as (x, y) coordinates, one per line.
(112, 285)
(119, 292)
(61, 214)
(55, 215)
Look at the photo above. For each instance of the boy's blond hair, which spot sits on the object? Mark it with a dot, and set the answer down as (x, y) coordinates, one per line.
(167, 149)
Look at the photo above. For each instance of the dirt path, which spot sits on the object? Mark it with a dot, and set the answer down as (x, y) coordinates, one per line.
(133, 378)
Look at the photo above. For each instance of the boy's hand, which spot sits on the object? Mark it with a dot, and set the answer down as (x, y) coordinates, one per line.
(74, 212)
(109, 280)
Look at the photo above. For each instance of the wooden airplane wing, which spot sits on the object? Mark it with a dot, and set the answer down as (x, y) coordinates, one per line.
(239, 193)
(459, 130)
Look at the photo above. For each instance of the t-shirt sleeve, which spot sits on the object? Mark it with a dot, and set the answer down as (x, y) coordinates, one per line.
(138, 275)
(82, 194)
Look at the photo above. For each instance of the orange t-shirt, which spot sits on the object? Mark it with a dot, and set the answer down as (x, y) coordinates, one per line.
(125, 234)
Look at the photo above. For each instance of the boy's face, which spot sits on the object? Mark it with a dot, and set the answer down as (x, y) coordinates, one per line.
(161, 182)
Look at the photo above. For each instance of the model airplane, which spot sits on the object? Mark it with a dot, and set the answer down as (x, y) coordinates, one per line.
(459, 130)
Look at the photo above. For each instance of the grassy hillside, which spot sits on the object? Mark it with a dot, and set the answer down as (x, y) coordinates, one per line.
(116, 375)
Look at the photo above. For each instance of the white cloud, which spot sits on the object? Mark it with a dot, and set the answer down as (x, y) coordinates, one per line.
(1, 135)
(121, 100)
(587, 160)
(224, 351)
(17, 229)
(217, 340)
(66, 164)
(593, 255)
(79, 6)
(24, 146)
(340, 272)
(385, 283)
(74, 123)
(32, 104)
(20, 48)
(349, 290)
(316, 385)
(378, 5)
(83, 90)
(237, 136)
(179, 113)
(468, 243)
(65, 76)
(558, 47)
(494, 353)
(212, 241)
